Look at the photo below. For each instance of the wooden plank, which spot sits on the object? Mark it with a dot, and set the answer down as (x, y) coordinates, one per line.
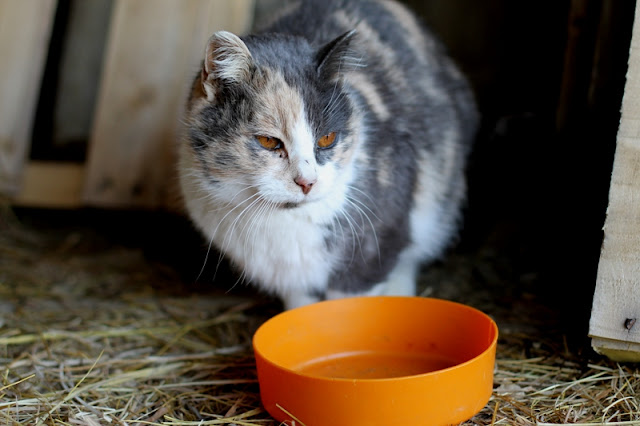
(617, 350)
(615, 319)
(51, 185)
(153, 51)
(25, 29)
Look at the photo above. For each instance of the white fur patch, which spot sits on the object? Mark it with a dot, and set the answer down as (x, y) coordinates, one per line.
(376, 290)
(430, 231)
(302, 149)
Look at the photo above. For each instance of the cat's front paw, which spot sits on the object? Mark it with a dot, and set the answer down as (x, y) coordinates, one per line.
(295, 299)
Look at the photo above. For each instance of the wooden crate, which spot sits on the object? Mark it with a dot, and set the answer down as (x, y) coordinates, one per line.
(615, 320)
(153, 49)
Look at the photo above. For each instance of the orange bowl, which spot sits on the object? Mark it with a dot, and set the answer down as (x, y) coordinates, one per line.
(376, 361)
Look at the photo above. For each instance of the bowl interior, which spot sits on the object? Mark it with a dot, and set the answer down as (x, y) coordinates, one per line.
(375, 337)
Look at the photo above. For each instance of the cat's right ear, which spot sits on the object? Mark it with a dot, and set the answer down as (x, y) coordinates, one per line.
(227, 61)
(338, 56)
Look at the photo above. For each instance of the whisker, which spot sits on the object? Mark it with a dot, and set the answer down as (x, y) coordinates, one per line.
(363, 205)
(366, 216)
(354, 234)
(213, 234)
(206, 259)
(251, 225)
(354, 188)
(229, 234)
(227, 239)
(241, 279)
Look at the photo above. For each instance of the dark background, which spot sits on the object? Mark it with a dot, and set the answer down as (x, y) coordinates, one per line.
(549, 78)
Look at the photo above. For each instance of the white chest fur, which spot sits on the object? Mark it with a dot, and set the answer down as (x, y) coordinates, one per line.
(282, 250)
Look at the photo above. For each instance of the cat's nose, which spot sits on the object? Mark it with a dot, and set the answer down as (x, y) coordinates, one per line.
(304, 183)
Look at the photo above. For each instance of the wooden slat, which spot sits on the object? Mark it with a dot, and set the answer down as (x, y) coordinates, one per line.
(153, 51)
(51, 185)
(615, 320)
(25, 29)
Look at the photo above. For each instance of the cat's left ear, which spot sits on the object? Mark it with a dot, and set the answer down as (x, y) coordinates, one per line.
(338, 56)
(227, 61)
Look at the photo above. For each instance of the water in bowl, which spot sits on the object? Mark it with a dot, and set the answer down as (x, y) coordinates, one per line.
(375, 365)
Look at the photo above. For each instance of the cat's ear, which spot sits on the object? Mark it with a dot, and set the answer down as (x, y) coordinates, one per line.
(338, 56)
(227, 60)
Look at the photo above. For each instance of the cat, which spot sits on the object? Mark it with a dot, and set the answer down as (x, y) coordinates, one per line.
(324, 154)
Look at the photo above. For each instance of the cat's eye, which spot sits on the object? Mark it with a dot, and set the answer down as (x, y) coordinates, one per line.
(327, 140)
(269, 142)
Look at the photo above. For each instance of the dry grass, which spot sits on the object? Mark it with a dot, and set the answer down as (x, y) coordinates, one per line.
(86, 340)
(130, 373)
(550, 391)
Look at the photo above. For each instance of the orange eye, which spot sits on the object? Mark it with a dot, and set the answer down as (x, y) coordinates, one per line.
(327, 140)
(269, 143)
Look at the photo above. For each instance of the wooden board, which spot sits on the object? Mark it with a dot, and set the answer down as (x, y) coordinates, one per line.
(51, 185)
(153, 51)
(25, 29)
(615, 319)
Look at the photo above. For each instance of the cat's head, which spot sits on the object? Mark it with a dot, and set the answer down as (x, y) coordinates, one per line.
(268, 118)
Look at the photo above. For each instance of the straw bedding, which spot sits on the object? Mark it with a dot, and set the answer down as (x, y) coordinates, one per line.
(94, 330)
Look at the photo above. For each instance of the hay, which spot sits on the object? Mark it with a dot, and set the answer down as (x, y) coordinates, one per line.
(85, 339)
(552, 391)
(131, 371)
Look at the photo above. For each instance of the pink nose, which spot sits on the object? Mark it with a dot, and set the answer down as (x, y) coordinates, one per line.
(305, 184)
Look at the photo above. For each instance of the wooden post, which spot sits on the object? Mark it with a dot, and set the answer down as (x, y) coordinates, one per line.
(615, 318)
(25, 29)
(153, 51)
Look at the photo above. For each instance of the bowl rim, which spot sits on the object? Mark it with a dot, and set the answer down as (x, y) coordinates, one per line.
(489, 348)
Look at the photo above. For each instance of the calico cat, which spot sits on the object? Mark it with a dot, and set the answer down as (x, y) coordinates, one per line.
(324, 155)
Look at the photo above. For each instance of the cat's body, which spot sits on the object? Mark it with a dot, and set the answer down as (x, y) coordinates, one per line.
(326, 162)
